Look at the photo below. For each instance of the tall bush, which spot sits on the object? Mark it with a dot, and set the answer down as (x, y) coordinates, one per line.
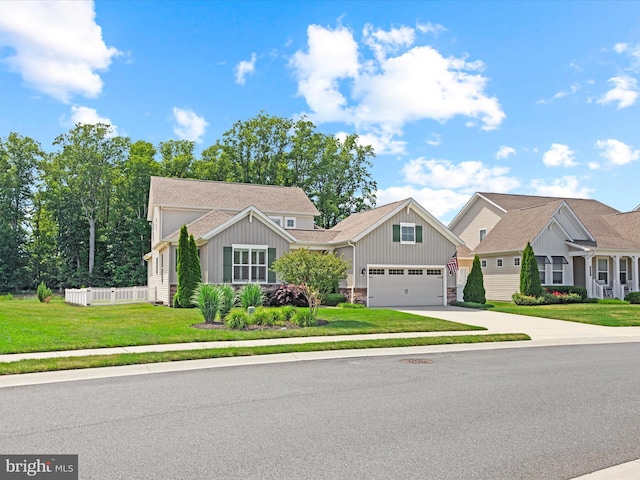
(188, 269)
(43, 292)
(207, 298)
(251, 295)
(474, 289)
(529, 273)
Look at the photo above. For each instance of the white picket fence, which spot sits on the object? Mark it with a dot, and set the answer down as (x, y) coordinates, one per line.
(109, 296)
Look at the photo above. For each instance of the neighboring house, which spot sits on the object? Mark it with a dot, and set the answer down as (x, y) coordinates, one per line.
(398, 252)
(576, 242)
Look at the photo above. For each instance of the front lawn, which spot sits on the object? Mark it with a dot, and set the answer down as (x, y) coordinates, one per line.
(608, 315)
(30, 326)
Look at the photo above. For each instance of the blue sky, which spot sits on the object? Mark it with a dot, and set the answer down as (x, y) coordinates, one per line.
(456, 97)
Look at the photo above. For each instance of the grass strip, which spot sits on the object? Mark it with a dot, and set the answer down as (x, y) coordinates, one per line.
(72, 363)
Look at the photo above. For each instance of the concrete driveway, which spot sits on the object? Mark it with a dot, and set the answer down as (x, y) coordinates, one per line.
(537, 328)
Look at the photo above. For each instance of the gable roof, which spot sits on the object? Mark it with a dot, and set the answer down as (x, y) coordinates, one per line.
(357, 225)
(528, 215)
(205, 194)
(202, 225)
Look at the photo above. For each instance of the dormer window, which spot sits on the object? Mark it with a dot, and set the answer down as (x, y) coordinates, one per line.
(290, 222)
(483, 233)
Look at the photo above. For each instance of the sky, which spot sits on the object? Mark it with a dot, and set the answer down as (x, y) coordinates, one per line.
(535, 98)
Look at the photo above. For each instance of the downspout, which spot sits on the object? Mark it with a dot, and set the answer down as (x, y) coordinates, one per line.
(354, 269)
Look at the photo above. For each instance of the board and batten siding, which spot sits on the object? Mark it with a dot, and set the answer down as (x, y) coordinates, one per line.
(481, 215)
(552, 243)
(243, 232)
(568, 222)
(347, 254)
(379, 248)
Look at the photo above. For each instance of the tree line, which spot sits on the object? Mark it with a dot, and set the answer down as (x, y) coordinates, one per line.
(77, 216)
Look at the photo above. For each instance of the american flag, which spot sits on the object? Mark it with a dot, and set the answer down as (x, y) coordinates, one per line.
(452, 265)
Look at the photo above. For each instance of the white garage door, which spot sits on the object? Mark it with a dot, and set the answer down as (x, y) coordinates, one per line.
(405, 287)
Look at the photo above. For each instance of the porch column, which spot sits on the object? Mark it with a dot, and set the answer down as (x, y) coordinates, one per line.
(616, 275)
(634, 273)
(588, 278)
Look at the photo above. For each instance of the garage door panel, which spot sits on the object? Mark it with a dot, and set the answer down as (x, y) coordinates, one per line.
(406, 290)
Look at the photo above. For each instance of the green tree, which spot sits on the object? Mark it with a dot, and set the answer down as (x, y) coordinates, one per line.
(83, 170)
(177, 158)
(188, 269)
(316, 273)
(529, 274)
(129, 231)
(474, 289)
(19, 157)
(270, 150)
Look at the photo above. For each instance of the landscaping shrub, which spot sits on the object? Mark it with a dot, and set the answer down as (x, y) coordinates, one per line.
(520, 299)
(529, 274)
(43, 292)
(333, 299)
(568, 289)
(633, 297)
(351, 305)
(303, 318)
(227, 299)
(187, 269)
(474, 289)
(613, 301)
(287, 312)
(554, 297)
(251, 295)
(207, 298)
(8, 296)
(262, 316)
(287, 295)
(237, 319)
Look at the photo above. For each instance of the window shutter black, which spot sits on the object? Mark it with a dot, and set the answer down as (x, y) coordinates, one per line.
(418, 233)
(271, 256)
(227, 265)
(396, 233)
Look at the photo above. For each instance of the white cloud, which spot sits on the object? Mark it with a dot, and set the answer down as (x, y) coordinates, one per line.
(189, 126)
(399, 85)
(625, 92)
(558, 156)
(86, 115)
(56, 46)
(563, 93)
(244, 68)
(468, 176)
(434, 139)
(593, 165)
(617, 152)
(504, 151)
(429, 27)
(438, 202)
(620, 47)
(567, 186)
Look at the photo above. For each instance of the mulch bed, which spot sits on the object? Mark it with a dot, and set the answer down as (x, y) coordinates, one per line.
(222, 326)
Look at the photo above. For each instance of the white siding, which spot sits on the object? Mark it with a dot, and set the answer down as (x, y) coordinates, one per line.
(569, 223)
(501, 287)
(482, 215)
(155, 280)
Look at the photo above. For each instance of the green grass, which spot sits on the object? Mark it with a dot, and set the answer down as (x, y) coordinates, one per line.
(29, 326)
(69, 363)
(606, 314)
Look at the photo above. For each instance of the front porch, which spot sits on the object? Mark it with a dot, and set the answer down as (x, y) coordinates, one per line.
(606, 274)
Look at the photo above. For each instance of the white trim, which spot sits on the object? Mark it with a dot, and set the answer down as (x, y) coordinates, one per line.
(286, 222)
(276, 220)
(420, 210)
(469, 204)
(250, 249)
(501, 260)
(483, 263)
(255, 213)
(408, 225)
(482, 237)
(413, 267)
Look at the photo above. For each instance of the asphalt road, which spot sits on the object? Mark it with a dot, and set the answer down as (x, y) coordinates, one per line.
(535, 413)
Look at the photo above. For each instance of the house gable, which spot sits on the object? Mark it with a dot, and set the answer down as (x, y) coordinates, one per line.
(479, 214)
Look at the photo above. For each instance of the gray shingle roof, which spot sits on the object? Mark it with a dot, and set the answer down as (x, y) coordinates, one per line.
(180, 192)
(526, 215)
(357, 223)
(202, 225)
